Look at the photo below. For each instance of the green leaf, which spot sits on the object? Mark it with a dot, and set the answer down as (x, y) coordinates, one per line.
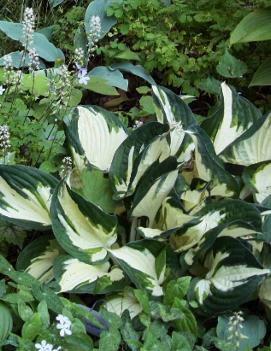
(36, 83)
(256, 26)
(32, 327)
(231, 67)
(55, 3)
(101, 86)
(113, 77)
(25, 196)
(44, 48)
(110, 340)
(6, 322)
(94, 133)
(176, 289)
(263, 74)
(128, 55)
(136, 70)
(95, 187)
(252, 332)
(80, 227)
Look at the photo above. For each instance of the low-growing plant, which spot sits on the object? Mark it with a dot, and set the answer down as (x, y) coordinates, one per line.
(139, 207)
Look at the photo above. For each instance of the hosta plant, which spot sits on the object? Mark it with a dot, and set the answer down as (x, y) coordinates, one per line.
(136, 208)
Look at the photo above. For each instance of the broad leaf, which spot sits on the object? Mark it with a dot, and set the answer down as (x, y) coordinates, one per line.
(230, 67)
(44, 48)
(83, 229)
(233, 278)
(75, 276)
(112, 76)
(154, 187)
(37, 259)
(94, 133)
(135, 155)
(257, 178)
(98, 8)
(263, 74)
(216, 219)
(118, 304)
(239, 114)
(140, 266)
(256, 26)
(25, 196)
(253, 146)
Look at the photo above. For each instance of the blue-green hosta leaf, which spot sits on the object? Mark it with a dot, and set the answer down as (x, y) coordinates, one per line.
(37, 259)
(239, 114)
(98, 8)
(25, 196)
(142, 147)
(253, 146)
(265, 292)
(216, 219)
(153, 188)
(44, 48)
(263, 74)
(257, 178)
(233, 278)
(74, 275)
(252, 330)
(140, 266)
(112, 76)
(96, 134)
(136, 70)
(120, 303)
(83, 229)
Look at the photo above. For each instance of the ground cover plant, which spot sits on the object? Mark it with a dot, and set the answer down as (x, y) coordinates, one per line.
(130, 220)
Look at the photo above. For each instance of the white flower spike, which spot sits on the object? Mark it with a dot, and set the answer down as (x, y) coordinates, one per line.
(64, 325)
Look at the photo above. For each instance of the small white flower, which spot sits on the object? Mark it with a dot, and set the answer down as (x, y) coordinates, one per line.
(2, 90)
(44, 346)
(64, 325)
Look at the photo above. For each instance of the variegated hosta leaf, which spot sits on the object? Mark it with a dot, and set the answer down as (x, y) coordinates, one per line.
(209, 167)
(216, 219)
(239, 114)
(83, 229)
(74, 275)
(154, 187)
(38, 258)
(233, 278)
(123, 302)
(94, 133)
(143, 146)
(25, 196)
(170, 215)
(141, 266)
(253, 146)
(172, 110)
(258, 179)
